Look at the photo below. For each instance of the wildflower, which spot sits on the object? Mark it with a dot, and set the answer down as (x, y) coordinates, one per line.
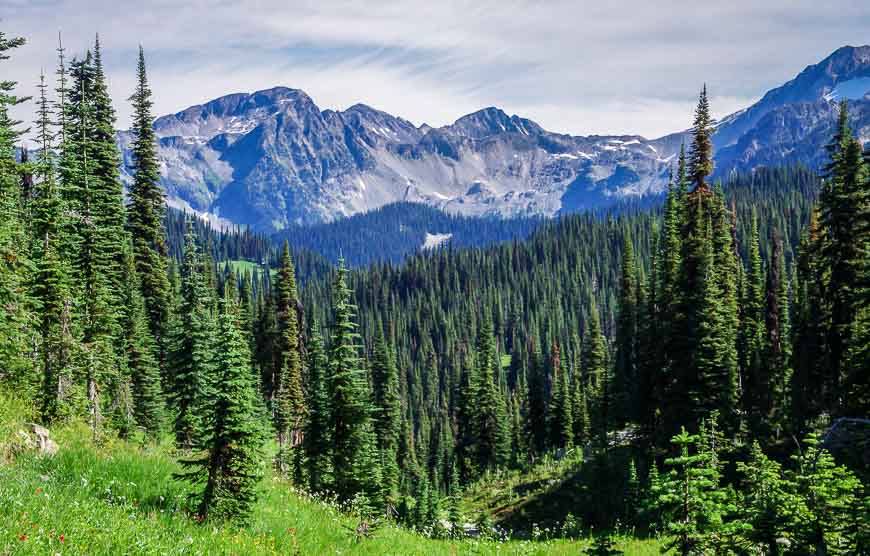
(22, 538)
(61, 538)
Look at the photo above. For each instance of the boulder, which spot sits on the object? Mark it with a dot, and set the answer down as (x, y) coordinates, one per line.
(37, 440)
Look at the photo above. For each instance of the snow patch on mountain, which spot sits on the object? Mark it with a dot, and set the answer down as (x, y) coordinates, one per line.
(435, 240)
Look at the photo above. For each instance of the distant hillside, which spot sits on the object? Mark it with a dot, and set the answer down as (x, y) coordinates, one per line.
(391, 233)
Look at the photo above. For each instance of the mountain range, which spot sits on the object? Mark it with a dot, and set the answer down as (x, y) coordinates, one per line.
(273, 160)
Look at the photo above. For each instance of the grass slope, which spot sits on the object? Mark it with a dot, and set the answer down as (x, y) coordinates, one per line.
(117, 497)
(239, 265)
(536, 501)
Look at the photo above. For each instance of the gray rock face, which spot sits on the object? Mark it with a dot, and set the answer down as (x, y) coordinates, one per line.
(272, 158)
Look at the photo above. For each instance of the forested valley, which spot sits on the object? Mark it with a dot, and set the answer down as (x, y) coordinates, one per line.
(701, 366)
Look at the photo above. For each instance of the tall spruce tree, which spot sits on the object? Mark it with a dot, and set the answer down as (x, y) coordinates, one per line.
(105, 190)
(597, 371)
(843, 208)
(350, 407)
(579, 408)
(753, 330)
(703, 351)
(141, 363)
(561, 415)
(700, 164)
(538, 395)
(318, 435)
(388, 413)
(145, 213)
(727, 269)
(777, 359)
(289, 408)
(858, 355)
(466, 416)
(51, 280)
(810, 384)
(493, 440)
(626, 363)
(97, 263)
(192, 358)
(16, 315)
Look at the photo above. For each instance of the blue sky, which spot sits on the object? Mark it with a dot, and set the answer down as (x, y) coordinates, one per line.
(573, 66)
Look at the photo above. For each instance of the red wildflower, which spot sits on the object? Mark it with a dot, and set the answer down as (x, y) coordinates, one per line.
(61, 537)
(22, 538)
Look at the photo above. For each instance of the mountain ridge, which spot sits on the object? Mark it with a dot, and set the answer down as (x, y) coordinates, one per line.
(272, 158)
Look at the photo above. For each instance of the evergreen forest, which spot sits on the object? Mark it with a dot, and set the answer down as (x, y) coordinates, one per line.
(690, 376)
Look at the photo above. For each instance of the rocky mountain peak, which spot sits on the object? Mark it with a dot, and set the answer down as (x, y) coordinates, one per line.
(273, 158)
(492, 121)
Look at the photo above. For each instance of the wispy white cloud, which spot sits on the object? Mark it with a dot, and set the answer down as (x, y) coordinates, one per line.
(574, 66)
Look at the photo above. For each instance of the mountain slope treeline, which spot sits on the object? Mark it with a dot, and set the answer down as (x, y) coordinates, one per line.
(391, 233)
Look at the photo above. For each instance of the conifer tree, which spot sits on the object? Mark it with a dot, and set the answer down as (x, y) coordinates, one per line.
(232, 444)
(192, 356)
(650, 346)
(289, 404)
(674, 219)
(632, 495)
(626, 363)
(753, 330)
(141, 362)
(561, 415)
(693, 498)
(727, 268)
(538, 396)
(777, 371)
(97, 264)
(701, 153)
(579, 409)
(827, 492)
(703, 342)
(68, 169)
(493, 440)
(466, 416)
(16, 316)
(318, 436)
(105, 191)
(596, 369)
(519, 440)
(810, 385)
(51, 281)
(858, 355)
(842, 202)
(350, 411)
(145, 213)
(388, 413)
(265, 335)
(769, 507)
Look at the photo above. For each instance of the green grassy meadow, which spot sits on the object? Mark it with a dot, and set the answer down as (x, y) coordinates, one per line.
(118, 497)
